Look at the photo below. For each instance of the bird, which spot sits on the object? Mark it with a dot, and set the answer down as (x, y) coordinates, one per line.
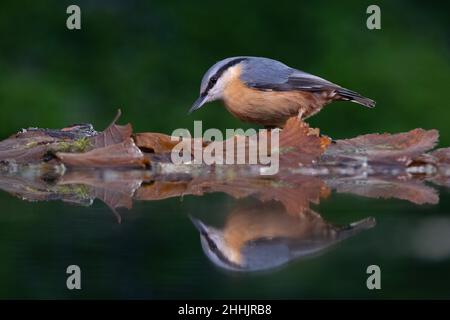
(267, 92)
(259, 237)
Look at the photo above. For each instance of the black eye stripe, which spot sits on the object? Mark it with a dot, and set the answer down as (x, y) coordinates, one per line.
(212, 81)
(213, 247)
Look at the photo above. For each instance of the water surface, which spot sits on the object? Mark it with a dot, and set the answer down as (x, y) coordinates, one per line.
(233, 238)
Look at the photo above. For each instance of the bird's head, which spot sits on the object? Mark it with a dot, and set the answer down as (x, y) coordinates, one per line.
(216, 248)
(266, 249)
(216, 80)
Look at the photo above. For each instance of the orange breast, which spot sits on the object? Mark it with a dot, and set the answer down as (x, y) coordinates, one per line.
(247, 223)
(270, 108)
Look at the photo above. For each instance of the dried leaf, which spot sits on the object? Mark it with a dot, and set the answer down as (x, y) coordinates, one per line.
(115, 189)
(387, 188)
(158, 147)
(35, 188)
(20, 153)
(114, 134)
(401, 147)
(124, 154)
(34, 145)
(72, 132)
(442, 155)
(154, 142)
(299, 144)
(159, 190)
(442, 162)
(296, 193)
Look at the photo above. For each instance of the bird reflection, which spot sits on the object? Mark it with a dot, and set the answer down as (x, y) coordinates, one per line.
(261, 236)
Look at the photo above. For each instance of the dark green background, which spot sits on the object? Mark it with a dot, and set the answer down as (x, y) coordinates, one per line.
(147, 57)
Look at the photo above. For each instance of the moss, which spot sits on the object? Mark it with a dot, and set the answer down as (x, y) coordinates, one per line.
(79, 145)
(31, 144)
(79, 190)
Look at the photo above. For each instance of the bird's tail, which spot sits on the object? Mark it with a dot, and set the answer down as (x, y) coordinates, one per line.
(348, 95)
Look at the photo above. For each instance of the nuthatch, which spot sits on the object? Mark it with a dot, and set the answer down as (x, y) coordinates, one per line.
(264, 237)
(268, 92)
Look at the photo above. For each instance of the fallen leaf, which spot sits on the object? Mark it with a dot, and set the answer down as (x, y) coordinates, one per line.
(124, 154)
(442, 155)
(400, 147)
(386, 188)
(115, 189)
(114, 134)
(299, 144)
(159, 190)
(154, 142)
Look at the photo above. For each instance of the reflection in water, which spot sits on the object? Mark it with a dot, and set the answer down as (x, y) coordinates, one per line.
(261, 237)
(271, 224)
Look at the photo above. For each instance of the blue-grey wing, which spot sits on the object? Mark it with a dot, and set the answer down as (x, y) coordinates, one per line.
(264, 72)
(268, 74)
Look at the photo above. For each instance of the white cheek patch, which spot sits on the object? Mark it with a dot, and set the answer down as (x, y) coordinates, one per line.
(231, 74)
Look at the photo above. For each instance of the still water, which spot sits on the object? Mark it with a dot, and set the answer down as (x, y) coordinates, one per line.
(134, 236)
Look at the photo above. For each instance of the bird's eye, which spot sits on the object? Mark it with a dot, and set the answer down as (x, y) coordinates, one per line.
(213, 80)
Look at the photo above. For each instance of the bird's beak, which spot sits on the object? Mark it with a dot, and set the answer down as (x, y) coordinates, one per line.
(198, 225)
(198, 103)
